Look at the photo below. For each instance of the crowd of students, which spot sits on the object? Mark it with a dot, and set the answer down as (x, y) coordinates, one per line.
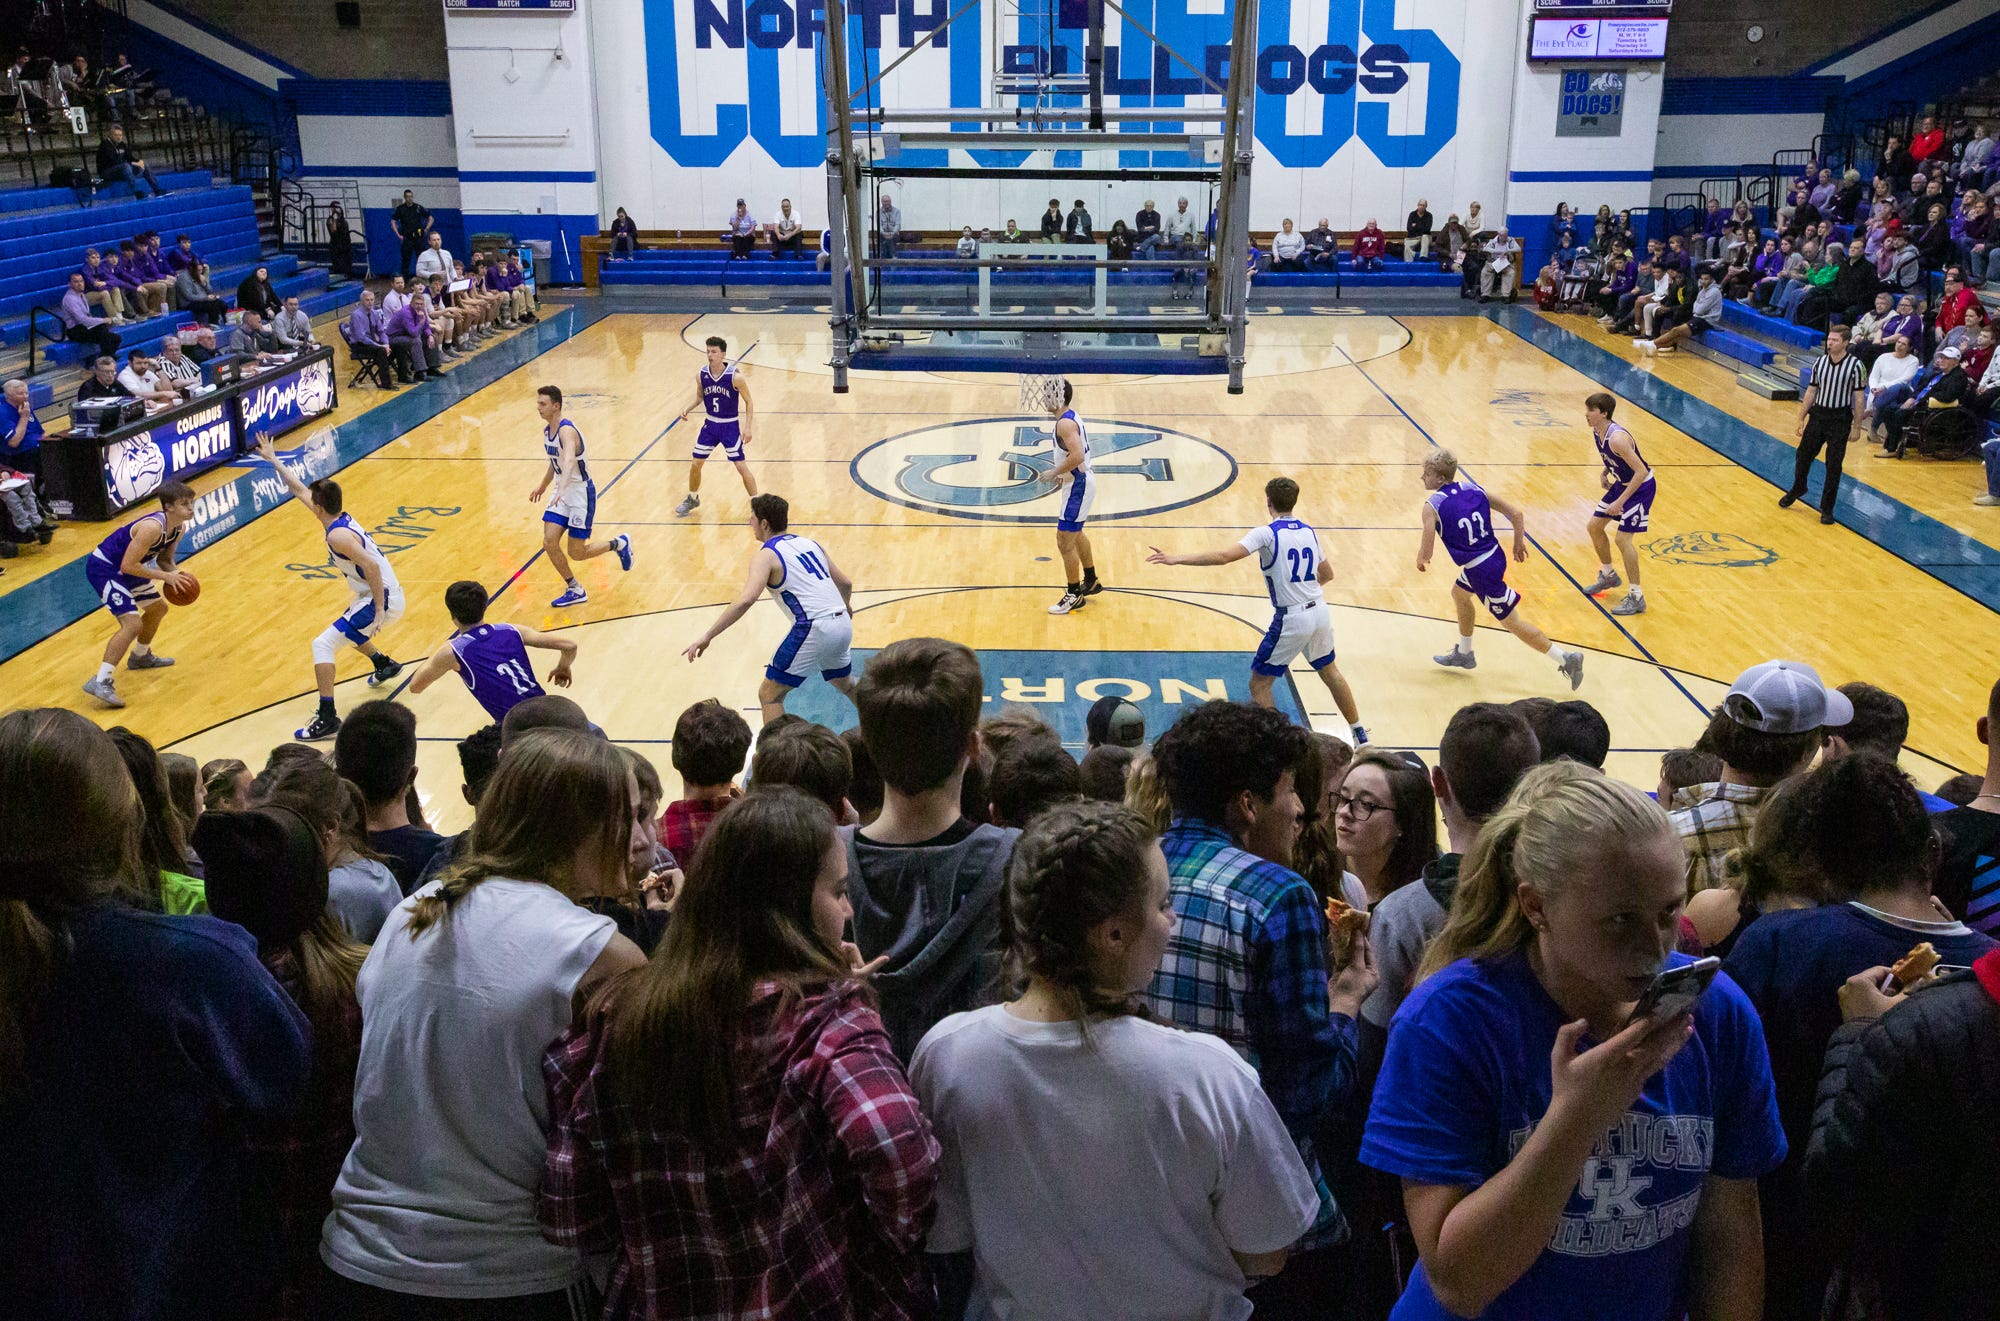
(929, 1019)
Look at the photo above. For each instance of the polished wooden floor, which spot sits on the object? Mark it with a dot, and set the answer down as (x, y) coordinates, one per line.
(1347, 404)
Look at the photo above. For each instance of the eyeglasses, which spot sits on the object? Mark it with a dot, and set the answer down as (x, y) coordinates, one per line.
(1361, 809)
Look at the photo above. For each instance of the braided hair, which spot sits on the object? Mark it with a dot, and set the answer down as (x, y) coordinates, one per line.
(1077, 865)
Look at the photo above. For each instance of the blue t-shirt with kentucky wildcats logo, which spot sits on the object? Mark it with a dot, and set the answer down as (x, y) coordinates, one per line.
(1467, 1079)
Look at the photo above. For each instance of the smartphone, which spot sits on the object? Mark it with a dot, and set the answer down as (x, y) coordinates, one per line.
(1674, 990)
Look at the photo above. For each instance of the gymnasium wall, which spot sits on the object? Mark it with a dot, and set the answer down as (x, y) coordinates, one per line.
(396, 39)
(1363, 106)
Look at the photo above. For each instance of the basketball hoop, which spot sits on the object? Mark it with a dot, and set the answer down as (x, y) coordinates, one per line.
(1041, 395)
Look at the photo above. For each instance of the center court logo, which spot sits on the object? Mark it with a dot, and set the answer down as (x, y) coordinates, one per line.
(996, 469)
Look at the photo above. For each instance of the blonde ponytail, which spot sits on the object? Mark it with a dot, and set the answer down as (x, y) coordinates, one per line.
(1557, 827)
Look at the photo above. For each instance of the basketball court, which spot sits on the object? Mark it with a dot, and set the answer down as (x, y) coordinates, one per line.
(919, 484)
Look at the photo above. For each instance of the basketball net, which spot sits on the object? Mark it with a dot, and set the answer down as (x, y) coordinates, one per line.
(1041, 395)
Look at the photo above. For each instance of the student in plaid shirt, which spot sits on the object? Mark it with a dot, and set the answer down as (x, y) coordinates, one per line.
(731, 1121)
(1768, 729)
(711, 742)
(1248, 961)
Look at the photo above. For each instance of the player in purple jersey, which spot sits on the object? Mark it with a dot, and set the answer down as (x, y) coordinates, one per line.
(723, 395)
(1628, 502)
(1459, 513)
(491, 658)
(126, 571)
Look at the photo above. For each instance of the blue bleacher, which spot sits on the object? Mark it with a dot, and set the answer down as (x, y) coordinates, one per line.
(1773, 328)
(37, 199)
(695, 266)
(1740, 347)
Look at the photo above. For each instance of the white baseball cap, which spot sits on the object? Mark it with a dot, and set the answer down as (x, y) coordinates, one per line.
(1785, 697)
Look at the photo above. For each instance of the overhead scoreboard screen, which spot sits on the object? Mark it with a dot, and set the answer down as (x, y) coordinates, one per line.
(1590, 6)
(1573, 39)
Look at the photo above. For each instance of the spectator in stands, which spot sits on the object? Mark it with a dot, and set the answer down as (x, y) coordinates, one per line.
(1896, 164)
(1702, 315)
(339, 241)
(1738, 276)
(1944, 385)
(1769, 728)
(1906, 323)
(1929, 138)
(1844, 295)
(710, 744)
(142, 382)
(1370, 246)
(435, 259)
(1322, 246)
(1288, 249)
(376, 749)
(118, 163)
(293, 327)
(1986, 390)
(20, 89)
(368, 341)
(1975, 163)
(624, 236)
(412, 223)
(1712, 221)
(1486, 749)
(1677, 255)
(79, 326)
(116, 1024)
(98, 289)
(1385, 818)
(739, 229)
(1417, 232)
(1823, 191)
(437, 1198)
(729, 1122)
(1117, 244)
(1452, 242)
(257, 294)
(1933, 238)
(1052, 222)
(1976, 235)
(139, 300)
(414, 341)
(1076, 225)
(1147, 231)
(1030, 776)
(1566, 904)
(1621, 276)
(152, 266)
(925, 876)
(76, 85)
(1497, 268)
(787, 231)
(1890, 370)
(1183, 230)
(968, 244)
(1874, 844)
(1965, 335)
(195, 296)
(20, 433)
(888, 227)
(1229, 771)
(1052, 1109)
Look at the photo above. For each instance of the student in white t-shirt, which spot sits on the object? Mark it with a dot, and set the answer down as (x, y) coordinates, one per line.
(469, 981)
(1097, 1163)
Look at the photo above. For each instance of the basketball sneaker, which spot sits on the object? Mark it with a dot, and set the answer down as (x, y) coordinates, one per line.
(574, 596)
(385, 670)
(688, 504)
(1093, 587)
(1458, 660)
(102, 690)
(1572, 669)
(1633, 604)
(621, 546)
(323, 727)
(149, 661)
(1070, 601)
(1606, 580)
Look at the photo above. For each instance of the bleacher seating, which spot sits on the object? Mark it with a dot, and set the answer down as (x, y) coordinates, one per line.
(709, 266)
(39, 247)
(1773, 328)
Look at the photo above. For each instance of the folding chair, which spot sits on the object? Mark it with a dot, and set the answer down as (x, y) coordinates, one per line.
(362, 368)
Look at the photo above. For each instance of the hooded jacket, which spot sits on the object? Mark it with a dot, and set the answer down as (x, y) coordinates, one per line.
(935, 911)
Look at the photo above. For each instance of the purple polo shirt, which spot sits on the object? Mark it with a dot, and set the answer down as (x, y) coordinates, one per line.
(178, 258)
(406, 324)
(93, 276)
(120, 276)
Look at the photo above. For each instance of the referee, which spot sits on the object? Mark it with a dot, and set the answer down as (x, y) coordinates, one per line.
(1829, 417)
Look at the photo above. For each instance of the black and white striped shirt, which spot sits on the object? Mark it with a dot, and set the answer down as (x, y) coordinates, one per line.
(1834, 383)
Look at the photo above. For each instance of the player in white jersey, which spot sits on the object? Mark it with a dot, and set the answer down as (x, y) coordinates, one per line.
(1295, 572)
(801, 577)
(572, 501)
(377, 596)
(1078, 484)
(722, 393)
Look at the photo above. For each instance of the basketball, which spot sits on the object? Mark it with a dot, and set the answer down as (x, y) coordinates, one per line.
(182, 595)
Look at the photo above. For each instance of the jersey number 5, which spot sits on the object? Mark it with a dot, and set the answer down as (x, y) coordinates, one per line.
(1302, 564)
